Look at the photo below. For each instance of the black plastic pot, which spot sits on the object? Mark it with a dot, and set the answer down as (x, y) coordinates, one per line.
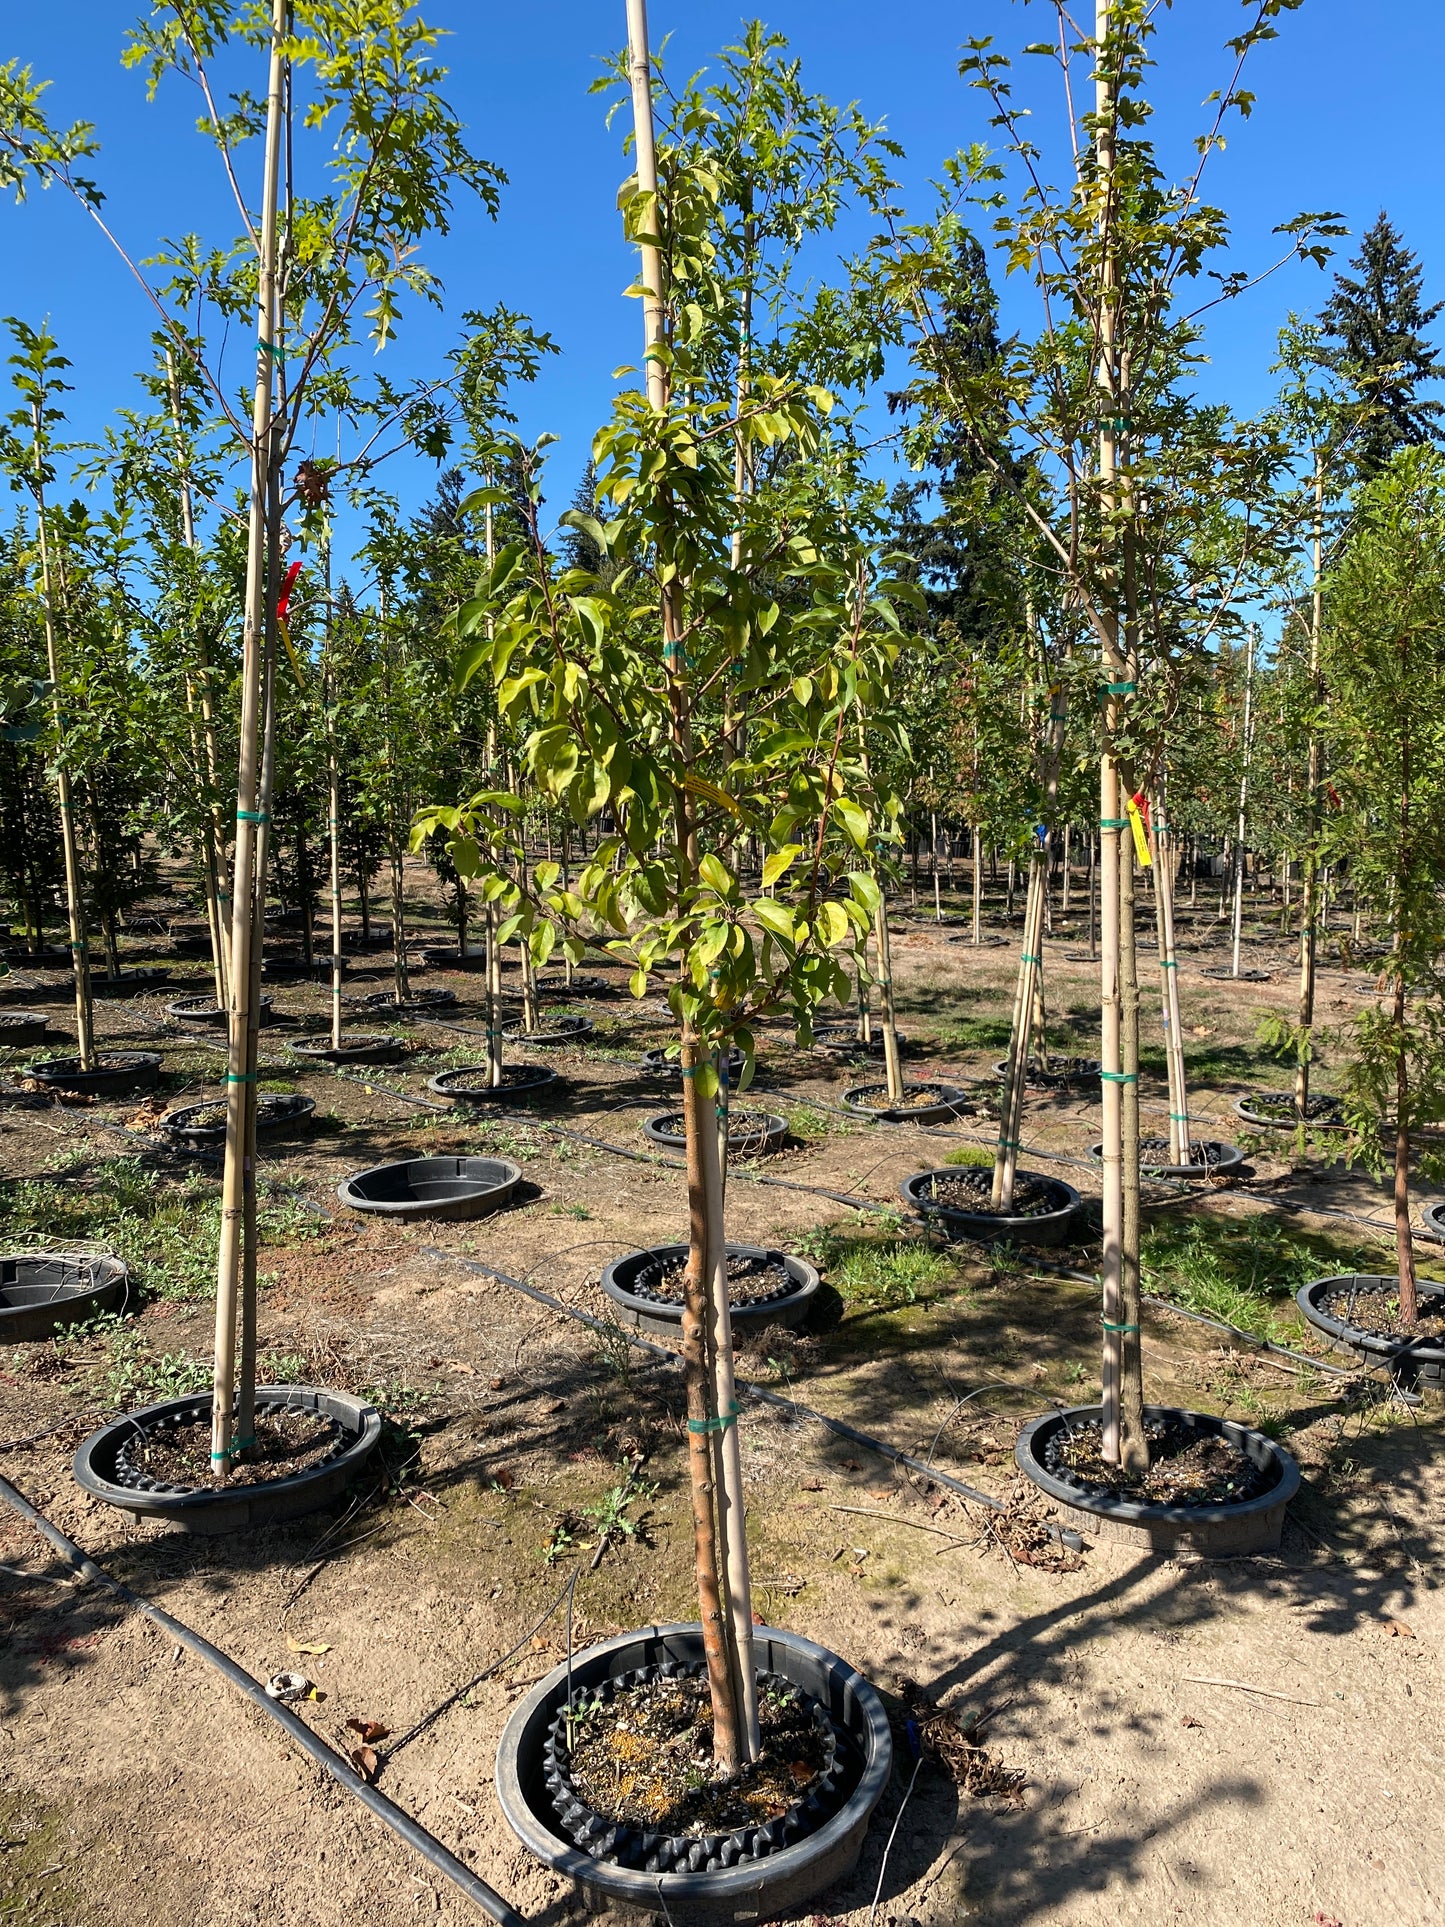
(751, 1890)
(1209, 1158)
(416, 1005)
(22, 1026)
(128, 983)
(357, 1047)
(50, 956)
(469, 1084)
(1432, 1220)
(657, 1063)
(1415, 1364)
(437, 1188)
(453, 959)
(844, 1041)
(627, 1283)
(1244, 977)
(189, 945)
(274, 1114)
(232, 1508)
(117, 1073)
(289, 966)
(42, 1292)
(923, 1103)
(553, 983)
(1048, 1227)
(1322, 1113)
(205, 1010)
(766, 1132)
(1253, 1525)
(552, 1030)
(1063, 1074)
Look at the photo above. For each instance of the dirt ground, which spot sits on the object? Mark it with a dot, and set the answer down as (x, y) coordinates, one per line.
(1196, 1740)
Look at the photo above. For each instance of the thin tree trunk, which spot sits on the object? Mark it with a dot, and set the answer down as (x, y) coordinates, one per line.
(1164, 863)
(1309, 907)
(1133, 1443)
(74, 891)
(240, 1116)
(977, 885)
(892, 1064)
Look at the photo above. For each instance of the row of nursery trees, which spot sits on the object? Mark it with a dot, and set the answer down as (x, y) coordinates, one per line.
(703, 716)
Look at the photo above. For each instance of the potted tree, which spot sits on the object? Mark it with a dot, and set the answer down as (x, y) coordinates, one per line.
(702, 692)
(1383, 662)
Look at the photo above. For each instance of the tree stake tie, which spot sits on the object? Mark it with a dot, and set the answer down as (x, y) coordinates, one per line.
(1120, 1077)
(1110, 1326)
(252, 816)
(241, 1077)
(1113, 822)
(718, 1424)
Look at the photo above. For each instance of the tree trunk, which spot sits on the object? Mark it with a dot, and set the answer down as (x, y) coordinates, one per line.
(1133, 1444)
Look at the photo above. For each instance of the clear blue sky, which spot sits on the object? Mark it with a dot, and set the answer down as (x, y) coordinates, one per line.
(1346, 118)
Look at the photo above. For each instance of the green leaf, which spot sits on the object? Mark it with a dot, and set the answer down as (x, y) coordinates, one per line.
(865, 891)
(776, 918)
(854, 822)
(780, 862)
(716, 875)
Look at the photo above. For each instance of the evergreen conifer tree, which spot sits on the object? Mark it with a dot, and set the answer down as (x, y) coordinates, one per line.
(1377, 320)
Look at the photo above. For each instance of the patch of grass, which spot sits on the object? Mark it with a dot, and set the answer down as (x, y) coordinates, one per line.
(976, 1033)
(166, 1229)
(132, 1373)
(1244, 1271)
(976, 1156)
(886, 1272)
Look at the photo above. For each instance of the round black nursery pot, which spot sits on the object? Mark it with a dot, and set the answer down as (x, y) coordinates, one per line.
(205, 1124)
(1048, 1223)
(205, 1010)
(843, 1040)
(117, 1073)
(433, 997)
(128, 983)
(1208, 1158)
(432, 1188)
(1060, 1074)
(751, 1134)
(23, 1026)
(922, 1102)
(110, 1464)
(657, 1063)
(635, 1284)
(356, 1047)
(550, 1030)
(470, 1084)
(41, 1292)
(1254, 1523)
(753, 1875)
(1275, 1111)
(1345, 1307)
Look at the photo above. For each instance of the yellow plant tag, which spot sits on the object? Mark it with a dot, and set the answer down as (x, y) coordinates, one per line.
(1141, 840)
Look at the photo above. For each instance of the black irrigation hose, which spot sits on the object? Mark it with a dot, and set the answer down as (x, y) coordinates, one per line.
(838, 1426)
(400, 1822)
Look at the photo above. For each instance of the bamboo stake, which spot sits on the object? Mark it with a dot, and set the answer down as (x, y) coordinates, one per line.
(716, 1474)
(240, 1143)
(1243, 796)
(933, 844)
(333, 793)
(891, 1061)
(1111, 820)
(1163, 853)
(74, 888)
(977, 885)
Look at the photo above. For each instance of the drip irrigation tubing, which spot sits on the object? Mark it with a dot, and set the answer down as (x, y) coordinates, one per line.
(839, 1427)
(401, 1823)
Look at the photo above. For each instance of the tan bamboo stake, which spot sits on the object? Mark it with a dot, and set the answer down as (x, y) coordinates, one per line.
(1133, 1444)
(74, 888)
(333, 794)
(1016, 1077)
(212, 843)
(1111, 818)
(891, 1061)
(716, 1476)
(241, 1147)
(1309, 906)
(1162, 842)
(977, 885)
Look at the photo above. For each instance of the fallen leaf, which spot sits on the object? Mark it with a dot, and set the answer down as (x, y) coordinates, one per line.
(1201, 1030)
(370, 1732)
(504, 1477)
(1324, 1920)
(460, 1365)
(811, 1485)
(306, 1645)
(1398, 1629)
(1189, 1720)
(364, 1759)
(851, 1465)
(496, 1384)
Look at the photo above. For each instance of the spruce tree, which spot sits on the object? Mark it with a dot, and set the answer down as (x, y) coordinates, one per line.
(1377, 320)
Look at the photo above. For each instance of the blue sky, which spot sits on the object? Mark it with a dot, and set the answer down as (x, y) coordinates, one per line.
(1345, 118)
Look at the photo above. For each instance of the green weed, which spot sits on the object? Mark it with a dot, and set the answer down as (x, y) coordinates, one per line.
(879, 1271)
(977, 1156)
(1243, 1271)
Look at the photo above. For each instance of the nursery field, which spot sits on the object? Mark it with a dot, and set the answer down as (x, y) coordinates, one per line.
(1114, 1734)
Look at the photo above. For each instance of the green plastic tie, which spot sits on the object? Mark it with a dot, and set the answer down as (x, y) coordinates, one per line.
(252, 816)
(1110, 1326)
(1120, 688)
(1113, 822)
(240, 1077)
(1009, 1144)
(272, 348)
(1179, 1117)
(1027, 957)
(718, 1424)
(242, 1445)
(1168, 963)
(1120, 1077)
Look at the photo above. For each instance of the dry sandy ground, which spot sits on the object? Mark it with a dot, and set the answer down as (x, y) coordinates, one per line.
(136, 1787)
